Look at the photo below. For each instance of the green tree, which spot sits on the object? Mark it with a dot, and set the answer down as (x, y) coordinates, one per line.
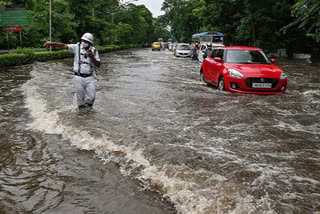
(307, 18)
(160, 31)
(72, 18)
(122, 33)
(247, 22)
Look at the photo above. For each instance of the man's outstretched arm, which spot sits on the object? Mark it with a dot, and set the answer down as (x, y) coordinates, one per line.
(55, 44)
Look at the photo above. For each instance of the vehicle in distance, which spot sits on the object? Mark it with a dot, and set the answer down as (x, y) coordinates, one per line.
(182, 50)
(243, 70)
(156, 46)
(203, 48)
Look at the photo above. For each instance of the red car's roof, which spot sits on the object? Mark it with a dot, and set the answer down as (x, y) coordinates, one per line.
(240, 48)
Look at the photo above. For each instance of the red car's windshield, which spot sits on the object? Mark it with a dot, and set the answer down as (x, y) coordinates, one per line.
(246, 57)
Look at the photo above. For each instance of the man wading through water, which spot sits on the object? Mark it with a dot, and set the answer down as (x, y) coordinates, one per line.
(85, 56)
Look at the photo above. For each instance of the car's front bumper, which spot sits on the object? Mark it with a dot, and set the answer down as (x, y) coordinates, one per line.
(181, 54)
(279, 86)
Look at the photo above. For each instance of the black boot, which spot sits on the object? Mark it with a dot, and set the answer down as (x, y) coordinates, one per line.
(82, 106)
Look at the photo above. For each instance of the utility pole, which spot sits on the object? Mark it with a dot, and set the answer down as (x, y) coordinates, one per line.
(112, 21)
(8, 41)
(112, 28)
(112, 14)
(50, 38)
(92, 10)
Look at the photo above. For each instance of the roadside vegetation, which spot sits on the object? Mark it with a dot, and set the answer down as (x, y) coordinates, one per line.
(111, 22)
(22, 56)
(115, 25)
(272, 24)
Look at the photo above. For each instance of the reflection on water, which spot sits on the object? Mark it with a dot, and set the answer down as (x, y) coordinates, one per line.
(206, 151)
(42, 173)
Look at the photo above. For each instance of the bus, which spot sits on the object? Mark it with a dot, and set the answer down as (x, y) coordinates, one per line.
(208, 37)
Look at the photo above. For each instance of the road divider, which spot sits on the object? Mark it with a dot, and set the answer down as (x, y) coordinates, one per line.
(22, 56)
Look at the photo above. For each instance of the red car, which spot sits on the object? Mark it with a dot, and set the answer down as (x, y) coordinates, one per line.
(243, 70)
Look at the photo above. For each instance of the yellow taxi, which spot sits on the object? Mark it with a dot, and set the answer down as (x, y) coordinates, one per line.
(156, 46)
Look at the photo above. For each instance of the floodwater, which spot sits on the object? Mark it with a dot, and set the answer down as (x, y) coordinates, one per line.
(157, 141)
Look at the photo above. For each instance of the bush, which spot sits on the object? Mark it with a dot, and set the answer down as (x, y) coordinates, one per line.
(46, 55)
(13, 59)
(26, 51)
(22, 56)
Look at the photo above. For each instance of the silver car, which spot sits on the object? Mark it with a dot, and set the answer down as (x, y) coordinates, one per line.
(182, 50)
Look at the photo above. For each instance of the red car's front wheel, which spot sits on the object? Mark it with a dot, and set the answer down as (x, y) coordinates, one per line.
(221, 85)
(201, 76)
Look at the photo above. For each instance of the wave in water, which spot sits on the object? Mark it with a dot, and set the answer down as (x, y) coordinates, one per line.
(191, 191)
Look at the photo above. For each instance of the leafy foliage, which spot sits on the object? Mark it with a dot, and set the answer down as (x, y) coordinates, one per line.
(272, 24)
(110, 21)
(307, 17)
(267, 24)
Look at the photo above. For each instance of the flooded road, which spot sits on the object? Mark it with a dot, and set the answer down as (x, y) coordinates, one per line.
(157, 141)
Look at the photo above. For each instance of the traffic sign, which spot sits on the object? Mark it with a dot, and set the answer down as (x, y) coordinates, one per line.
(13, 18)
(12, 28)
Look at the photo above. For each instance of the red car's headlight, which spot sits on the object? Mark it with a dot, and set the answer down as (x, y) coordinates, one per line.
(283, 75)
(234, 73)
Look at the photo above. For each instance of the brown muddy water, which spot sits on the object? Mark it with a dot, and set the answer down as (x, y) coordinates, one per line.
(157, 141)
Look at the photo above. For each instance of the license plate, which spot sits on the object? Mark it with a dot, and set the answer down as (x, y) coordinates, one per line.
(262, 85)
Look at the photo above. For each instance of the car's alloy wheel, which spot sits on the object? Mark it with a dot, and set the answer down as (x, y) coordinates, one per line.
(221, 86)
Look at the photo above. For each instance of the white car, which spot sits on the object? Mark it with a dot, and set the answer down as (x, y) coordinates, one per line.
(203, 48)
(182, 50)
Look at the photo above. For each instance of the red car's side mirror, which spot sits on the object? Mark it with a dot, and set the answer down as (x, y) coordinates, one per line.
(217, 59)
(273, 60)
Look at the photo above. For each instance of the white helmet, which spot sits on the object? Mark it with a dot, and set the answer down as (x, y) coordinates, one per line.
(87, 37)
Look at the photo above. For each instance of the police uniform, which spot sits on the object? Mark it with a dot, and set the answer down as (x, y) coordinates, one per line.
(83, 70)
